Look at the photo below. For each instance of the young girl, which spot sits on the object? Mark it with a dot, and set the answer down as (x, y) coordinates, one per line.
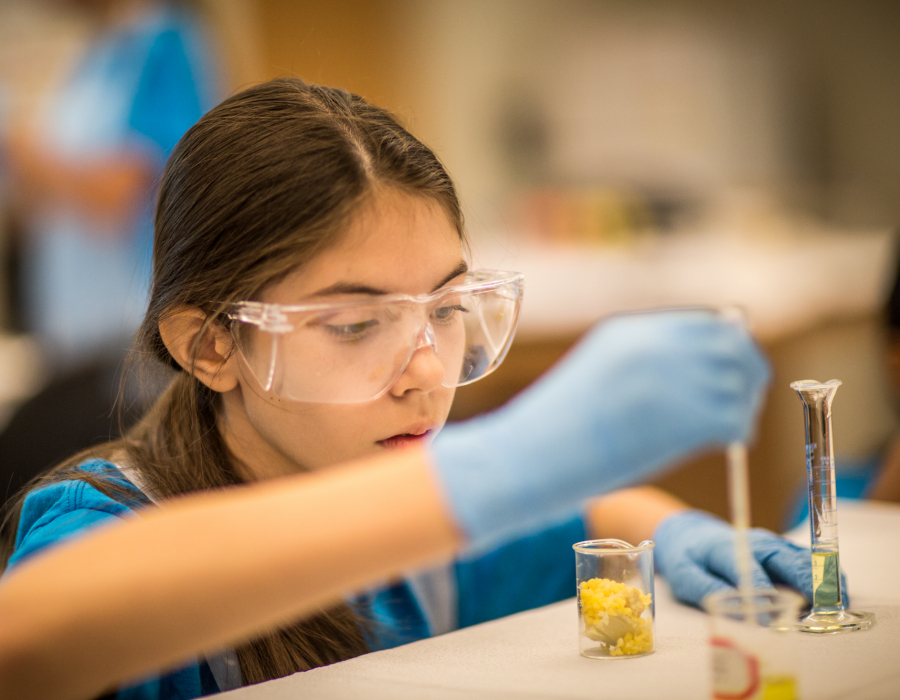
(312, 295)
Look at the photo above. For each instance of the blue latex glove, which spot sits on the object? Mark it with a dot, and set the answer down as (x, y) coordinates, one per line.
(637, 394)
(695, 554)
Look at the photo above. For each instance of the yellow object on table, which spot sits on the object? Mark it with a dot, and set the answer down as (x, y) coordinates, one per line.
(612, 615)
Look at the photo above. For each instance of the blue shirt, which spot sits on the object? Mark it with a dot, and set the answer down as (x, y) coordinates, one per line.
(534, 570)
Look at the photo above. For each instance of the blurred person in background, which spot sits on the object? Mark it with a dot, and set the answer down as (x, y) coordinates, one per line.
(82, 177)
(882, 477)
(877, 476)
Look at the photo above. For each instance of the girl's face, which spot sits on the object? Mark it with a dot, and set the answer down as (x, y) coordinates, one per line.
(398, 243)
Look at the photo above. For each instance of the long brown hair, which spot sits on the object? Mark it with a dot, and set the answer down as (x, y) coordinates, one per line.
(259, 186)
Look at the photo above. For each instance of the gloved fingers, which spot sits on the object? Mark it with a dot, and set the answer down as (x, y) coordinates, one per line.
(736, 350)
(690, 583)
(731, 344)
(757, 369)
(721, 562)
(744, 376)
(784, 562)
(727, 381)
(676, 336)
(727, 405)
(709, 404)
(744, 348)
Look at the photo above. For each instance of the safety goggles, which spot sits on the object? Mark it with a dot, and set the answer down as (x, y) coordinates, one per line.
(351, 352)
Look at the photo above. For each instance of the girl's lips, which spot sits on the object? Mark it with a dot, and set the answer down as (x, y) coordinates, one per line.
(406, 440)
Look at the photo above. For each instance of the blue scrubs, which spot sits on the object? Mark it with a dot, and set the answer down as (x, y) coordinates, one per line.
(535, 570)
(138, 89)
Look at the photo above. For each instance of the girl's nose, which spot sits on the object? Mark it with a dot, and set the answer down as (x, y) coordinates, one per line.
(424, 372)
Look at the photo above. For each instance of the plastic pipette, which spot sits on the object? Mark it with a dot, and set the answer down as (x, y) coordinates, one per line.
(738, 487)
(739, 493)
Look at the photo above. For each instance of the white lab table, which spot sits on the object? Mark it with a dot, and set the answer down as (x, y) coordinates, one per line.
(534, 654)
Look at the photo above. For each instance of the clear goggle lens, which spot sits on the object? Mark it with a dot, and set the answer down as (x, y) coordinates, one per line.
(354, 352)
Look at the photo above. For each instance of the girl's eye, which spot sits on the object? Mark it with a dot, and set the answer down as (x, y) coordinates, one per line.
(445, 313)
(351, 331)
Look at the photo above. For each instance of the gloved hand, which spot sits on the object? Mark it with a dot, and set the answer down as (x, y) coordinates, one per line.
(637, 394)
(695, 554)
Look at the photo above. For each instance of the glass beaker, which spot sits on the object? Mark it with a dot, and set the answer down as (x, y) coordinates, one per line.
(828, 614)
(754, 656)
(616, 604)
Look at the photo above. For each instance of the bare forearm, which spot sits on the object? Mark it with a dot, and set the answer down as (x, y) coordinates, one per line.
(631, 514)
(106, 188)
(211, 570)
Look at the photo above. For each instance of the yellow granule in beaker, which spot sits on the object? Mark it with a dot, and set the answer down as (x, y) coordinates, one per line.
(612, 615)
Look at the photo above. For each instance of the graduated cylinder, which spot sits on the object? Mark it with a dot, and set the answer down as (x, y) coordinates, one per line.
(828, 614)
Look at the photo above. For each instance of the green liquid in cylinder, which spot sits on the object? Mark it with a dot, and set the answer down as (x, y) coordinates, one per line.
(825, 571)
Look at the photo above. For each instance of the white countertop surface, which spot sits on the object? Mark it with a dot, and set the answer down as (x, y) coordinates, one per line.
(535, 655)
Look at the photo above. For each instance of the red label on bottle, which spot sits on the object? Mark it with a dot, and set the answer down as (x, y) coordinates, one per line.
(735, 671)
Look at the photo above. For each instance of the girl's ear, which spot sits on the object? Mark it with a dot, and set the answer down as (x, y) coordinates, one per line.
(207, 357)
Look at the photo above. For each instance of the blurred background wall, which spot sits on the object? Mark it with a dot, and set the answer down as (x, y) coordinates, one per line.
(623, 155)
